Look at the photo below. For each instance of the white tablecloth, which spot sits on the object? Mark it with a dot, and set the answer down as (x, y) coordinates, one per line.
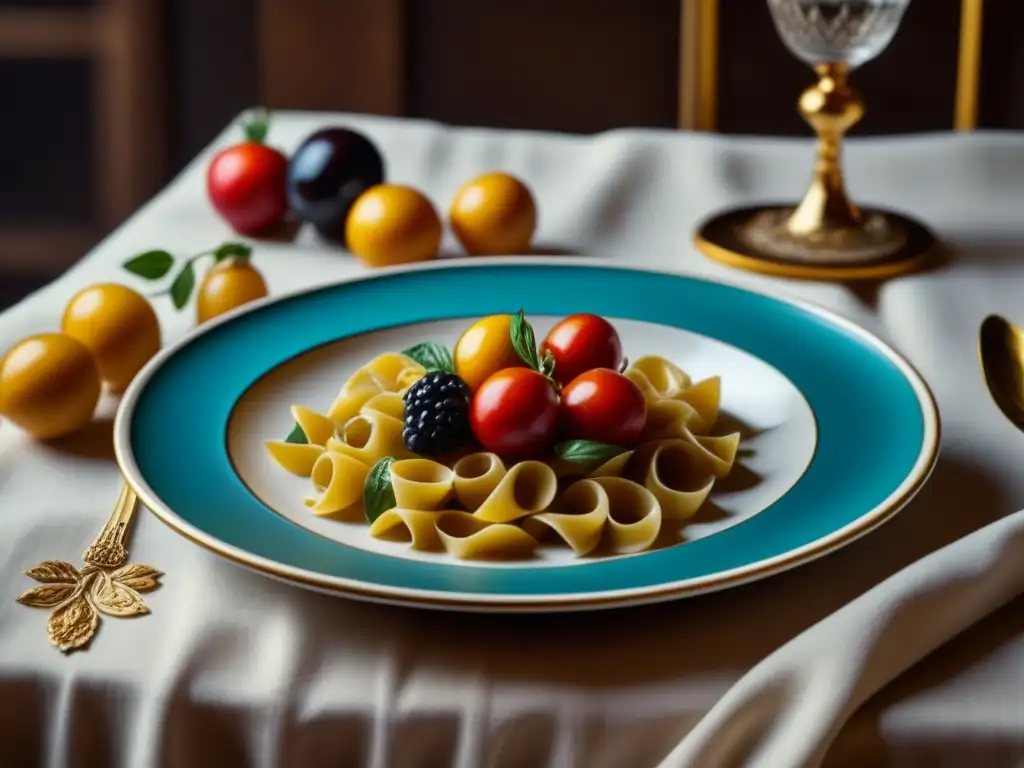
(235, 669)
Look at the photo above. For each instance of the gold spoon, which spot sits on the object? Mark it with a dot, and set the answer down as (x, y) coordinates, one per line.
(1001, 347)
(105, 585)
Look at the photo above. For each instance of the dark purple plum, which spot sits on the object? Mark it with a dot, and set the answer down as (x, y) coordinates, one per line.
(326, 174)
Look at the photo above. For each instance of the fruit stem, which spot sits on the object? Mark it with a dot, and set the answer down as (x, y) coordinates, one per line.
(257, 127)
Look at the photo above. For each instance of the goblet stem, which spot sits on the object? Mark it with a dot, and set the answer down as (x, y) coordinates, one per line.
(831, 107)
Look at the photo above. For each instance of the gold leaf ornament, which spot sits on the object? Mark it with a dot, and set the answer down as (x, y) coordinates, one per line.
(141, 578)
(54, 572)
(104, 585)
(48, 595)
(115, 599)
(78, 597)
(73, 624)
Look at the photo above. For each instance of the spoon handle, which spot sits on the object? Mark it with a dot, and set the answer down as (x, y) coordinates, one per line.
(108, 550)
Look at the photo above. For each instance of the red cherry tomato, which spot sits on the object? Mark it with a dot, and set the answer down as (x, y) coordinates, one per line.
(247, 184)
(581, 343)
(604, 406)
(514, 413)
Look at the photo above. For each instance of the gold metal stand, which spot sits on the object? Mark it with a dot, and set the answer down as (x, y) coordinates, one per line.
(826, 236)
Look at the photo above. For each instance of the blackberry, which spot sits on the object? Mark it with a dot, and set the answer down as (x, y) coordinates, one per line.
(437, 414)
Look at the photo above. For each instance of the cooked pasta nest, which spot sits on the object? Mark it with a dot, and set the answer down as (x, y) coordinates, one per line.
(474, 506)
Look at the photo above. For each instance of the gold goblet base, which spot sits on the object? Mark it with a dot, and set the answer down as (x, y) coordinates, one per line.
(886, 244)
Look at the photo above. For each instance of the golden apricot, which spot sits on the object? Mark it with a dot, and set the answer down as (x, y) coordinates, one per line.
(229, 284)
(393, 224)
(494, 214)
(118, 326)
(49, 385)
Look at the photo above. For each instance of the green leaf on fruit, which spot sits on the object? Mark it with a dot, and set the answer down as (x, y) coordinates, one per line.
(524, 342)
(232, 251)
(378, 493)
(257, 127)
(432, 356)
(297, 436)
(182, 286)
(151, 265)
(587, 451)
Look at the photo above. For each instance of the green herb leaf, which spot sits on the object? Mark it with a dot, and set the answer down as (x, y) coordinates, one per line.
(378, 493)
(297, 436)
(524, 342)
(257, 126)
(587, 451)
(432, 356)
(232, 251)
(182, 286)
(151, 265)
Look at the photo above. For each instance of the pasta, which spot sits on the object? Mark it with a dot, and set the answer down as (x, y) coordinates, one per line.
(475, 506)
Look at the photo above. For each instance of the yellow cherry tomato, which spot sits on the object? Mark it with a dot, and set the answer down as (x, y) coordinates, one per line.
(485, 348)
(392, 224)
(49, 385)
(118, 326)
(229, 284)
(494, 214)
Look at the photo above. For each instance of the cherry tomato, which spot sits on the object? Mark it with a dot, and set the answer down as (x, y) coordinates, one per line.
(581, 343)
(605, 406)
(246, 183)
(514, 413)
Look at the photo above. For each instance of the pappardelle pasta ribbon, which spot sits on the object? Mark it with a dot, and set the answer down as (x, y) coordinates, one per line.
(475, 506)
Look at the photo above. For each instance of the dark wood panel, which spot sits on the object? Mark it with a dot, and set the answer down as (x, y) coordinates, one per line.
(55, 4)
(212, 70)
(332, 54)
(910, 86)
(574, 65)
(47, 135)
(1001, 96)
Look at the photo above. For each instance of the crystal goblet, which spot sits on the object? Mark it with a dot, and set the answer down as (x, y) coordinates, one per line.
(826, 229)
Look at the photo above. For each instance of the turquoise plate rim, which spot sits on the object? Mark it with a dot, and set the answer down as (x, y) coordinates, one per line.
(666, 589)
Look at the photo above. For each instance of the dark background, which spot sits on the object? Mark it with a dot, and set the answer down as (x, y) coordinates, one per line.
(95, 123)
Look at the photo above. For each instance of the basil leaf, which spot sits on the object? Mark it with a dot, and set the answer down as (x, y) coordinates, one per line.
(378, 494)
(232, 251)
(151, 265)
(432, 356)
(297, 436)
(182, 286)
(524, 342)
(587, 451)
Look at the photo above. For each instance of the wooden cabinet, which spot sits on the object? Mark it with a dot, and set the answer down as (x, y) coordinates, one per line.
(82, 135)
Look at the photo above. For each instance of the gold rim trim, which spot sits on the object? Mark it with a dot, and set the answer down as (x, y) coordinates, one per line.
(872, 519)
